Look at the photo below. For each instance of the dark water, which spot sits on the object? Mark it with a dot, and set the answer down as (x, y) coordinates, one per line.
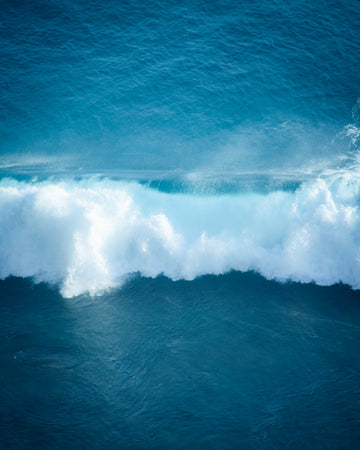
(220, 362)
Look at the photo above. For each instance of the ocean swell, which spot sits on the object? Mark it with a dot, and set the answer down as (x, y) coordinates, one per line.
(88, 235)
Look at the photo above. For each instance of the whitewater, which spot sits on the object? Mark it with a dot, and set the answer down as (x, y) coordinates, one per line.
(91, 234)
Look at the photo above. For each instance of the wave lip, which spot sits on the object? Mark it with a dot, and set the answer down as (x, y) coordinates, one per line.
(89, 235)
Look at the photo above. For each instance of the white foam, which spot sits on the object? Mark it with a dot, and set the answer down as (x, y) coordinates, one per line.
(88, 235)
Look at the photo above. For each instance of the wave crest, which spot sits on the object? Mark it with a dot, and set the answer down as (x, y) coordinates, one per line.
(88, 235)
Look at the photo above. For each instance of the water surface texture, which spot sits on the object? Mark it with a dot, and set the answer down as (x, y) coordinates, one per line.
(180, 224)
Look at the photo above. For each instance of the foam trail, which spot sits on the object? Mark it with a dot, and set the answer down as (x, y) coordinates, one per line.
(88, 235)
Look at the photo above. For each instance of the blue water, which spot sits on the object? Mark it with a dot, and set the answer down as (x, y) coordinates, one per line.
(179, 224)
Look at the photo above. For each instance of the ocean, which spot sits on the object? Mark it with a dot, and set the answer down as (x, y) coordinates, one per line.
(180, 224)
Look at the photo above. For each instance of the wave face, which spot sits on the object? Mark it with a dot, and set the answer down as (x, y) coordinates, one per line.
(88, 235)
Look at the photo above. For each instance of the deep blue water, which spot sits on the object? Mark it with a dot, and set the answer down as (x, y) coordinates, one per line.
(220, 362)
(179, 224)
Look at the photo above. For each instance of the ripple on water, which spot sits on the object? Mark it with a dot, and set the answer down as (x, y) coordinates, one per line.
(48, 357)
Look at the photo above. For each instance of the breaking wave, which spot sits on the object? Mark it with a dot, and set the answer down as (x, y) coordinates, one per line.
(88, 235)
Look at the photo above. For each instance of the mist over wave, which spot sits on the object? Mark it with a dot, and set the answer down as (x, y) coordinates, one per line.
(88, 235)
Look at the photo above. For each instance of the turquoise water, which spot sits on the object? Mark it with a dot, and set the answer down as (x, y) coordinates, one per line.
(179, 224)
(197, 86)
